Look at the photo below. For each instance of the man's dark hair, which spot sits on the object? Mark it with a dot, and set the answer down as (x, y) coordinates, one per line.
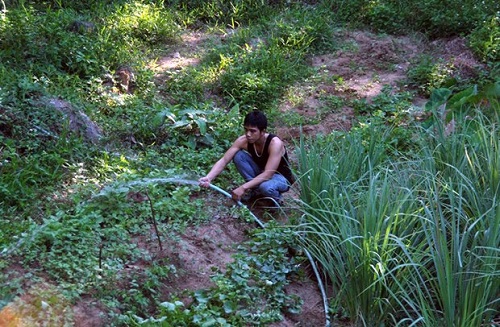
(257, 119)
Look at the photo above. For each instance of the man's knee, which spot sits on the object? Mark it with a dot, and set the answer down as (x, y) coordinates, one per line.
(268, 189)
(240, 156)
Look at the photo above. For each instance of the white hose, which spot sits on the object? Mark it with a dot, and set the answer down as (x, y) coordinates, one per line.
(7, 251)
(311, 260)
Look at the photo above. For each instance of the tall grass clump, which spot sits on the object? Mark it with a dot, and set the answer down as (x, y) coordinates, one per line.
(460, 218)
(410, 241)
(432, 17)
(352, 208)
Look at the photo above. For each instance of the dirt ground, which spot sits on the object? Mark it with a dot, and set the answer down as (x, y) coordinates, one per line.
(365, 64)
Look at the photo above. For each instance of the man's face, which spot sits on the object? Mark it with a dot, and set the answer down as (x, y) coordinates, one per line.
(253, 134)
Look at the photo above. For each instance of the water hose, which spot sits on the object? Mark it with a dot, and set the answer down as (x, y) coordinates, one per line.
(308, 255)
(7, 251)
(257, 220)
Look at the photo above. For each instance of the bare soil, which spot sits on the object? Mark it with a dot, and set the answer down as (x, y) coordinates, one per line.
(364, 65)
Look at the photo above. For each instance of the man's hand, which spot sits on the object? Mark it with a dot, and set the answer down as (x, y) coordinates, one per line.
(204, 181)
(238, 193)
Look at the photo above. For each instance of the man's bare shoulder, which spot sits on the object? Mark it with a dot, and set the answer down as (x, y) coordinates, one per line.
(276, 141)
(276, 145)
(241, 143)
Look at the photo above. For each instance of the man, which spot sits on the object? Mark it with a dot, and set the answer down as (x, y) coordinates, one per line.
(261, 159)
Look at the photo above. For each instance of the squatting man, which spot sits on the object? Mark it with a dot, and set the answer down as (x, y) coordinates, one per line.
(260, 157)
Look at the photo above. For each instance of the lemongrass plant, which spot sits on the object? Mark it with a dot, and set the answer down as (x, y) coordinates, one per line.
(406, 242)
(461, 223)
(351, 209)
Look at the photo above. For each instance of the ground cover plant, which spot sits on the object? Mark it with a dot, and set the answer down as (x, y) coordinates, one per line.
(394, 140)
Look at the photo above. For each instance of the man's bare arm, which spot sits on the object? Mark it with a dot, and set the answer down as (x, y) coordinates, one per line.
(219, 166)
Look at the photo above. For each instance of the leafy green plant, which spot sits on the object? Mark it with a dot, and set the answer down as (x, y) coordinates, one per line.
(140, 292)
(251, 290)
(88, 246)
(429, 75)
(485, 39)
(196, 128)
(446, 106)
(191, 121)
(391, 105)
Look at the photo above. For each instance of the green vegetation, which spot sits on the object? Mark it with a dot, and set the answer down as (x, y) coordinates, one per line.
(250, 291)
(409, 240)
(401, 213)
(430, 17)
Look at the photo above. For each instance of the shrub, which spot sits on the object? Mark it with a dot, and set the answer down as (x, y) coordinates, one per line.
(432, 17)
(428, 74)
(485, 40)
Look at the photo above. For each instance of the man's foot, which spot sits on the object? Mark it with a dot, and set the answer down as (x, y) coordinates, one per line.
(268, 202)
(251, 196)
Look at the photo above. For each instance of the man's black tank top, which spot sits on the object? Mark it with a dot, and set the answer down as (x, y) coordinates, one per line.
(261, 161)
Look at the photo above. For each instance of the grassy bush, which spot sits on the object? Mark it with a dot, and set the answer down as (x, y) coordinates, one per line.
(485, 39)
(137, 22)
(257, 73)
(236, 13)
(254, 66)
(258, 77)
(408, 241)
(432, 17)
